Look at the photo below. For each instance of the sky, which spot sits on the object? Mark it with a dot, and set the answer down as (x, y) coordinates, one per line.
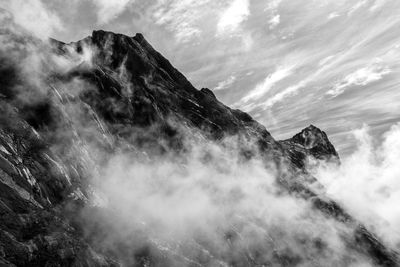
(288, 63)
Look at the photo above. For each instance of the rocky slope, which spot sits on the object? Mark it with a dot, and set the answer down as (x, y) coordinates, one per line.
(311, 141)
(113, 92)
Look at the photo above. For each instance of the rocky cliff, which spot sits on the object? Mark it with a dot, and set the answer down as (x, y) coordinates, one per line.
(63, 118)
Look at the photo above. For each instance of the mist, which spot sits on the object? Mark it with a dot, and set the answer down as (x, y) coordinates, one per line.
(367, 183)
(211, 207)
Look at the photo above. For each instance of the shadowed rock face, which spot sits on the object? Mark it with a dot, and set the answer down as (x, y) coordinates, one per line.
(130, 88)
(161, 91)
(316, 142)
(311, 141)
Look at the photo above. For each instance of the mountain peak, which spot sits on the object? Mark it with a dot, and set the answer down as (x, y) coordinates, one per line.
(315, 142)
(138, 36)
(310, 137)
(102, 34)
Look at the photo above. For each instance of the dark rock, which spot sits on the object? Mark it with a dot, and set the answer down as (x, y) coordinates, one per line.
(208, 92)
(311, 141)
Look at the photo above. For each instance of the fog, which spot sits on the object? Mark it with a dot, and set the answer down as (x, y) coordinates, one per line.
(367, 182)
(211, 207)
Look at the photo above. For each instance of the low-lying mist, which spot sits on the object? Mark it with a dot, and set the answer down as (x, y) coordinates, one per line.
(210, 207)
(367, 183)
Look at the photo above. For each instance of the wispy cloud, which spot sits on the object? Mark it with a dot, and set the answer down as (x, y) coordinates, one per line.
(225, 83)
(378, 4)
(230, 20)
(273, 5)
(275, 17)
(283, 94)
(263, 87)
(274, 21)
(360, 77)
(182, 17)
(110, 9)
(333, 15)
(357, 6)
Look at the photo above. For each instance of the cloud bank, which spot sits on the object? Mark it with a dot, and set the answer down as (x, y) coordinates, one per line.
(367, 183)
(33, 16)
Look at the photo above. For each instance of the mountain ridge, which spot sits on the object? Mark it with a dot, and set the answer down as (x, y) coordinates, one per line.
(128, 94)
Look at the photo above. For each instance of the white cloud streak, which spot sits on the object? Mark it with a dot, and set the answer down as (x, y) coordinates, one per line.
(110, 9)
(360, 77)
(230, 20)
(263, 87)
(357, 6)
(182, 17)
(283, 94)
(225, 83)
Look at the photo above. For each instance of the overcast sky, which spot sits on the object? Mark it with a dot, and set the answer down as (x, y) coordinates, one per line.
(289, 63)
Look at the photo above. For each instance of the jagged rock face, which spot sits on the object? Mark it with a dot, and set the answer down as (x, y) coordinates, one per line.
(129, 87)
(158, 89)
(35, 185)
(316, 142)
(313, 142)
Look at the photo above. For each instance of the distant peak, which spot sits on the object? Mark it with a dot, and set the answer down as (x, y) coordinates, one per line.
(208, 92)
(138, 36)
(104, 34)
(312, 128)
(142, 41)
(94, 32)
(100, 33)
(314, 138)
(310, 136)
(101, 36)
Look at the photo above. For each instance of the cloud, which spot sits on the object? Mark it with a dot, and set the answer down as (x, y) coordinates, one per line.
(356, 7)
(110, 9)
(230, 20)
(33, 16)
(274, 21)
(182, 17)
(378, 4)
(333, 15)
(283, 94)
(209, 207)
(263, 87)
(273, 5)
(275, 18)
(367, 182)
(360, 77)
(35, 60)
(225, 83)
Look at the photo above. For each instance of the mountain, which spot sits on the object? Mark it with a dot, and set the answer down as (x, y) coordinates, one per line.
(62, 119)
(310, 141)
